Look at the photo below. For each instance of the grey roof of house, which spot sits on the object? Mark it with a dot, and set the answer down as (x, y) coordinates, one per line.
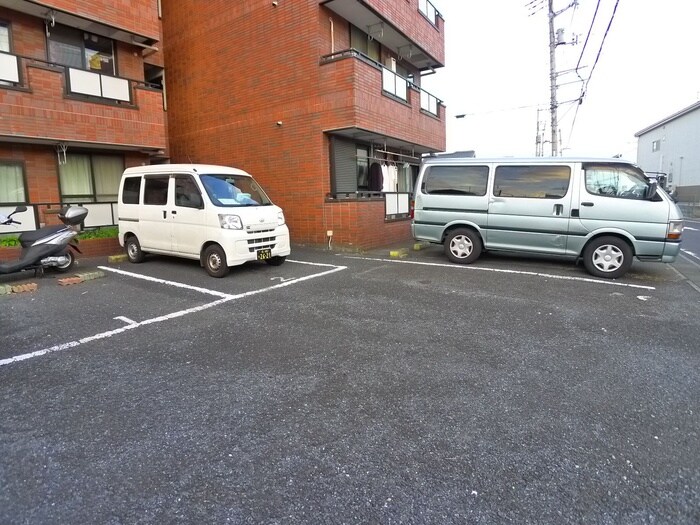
(660, 123)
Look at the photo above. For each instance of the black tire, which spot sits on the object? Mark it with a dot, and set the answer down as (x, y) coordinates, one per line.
(214, 261)
(63, 268)
(276, 261)
(607, 257)
(133, 250)
(463, 246)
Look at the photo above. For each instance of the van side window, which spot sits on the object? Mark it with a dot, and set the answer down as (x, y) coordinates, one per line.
(614, 181)
(156, 190)
(132, 189)
(533, 182)
(186, 192)
(456, 180)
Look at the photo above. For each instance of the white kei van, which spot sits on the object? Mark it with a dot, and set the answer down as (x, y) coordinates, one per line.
(216, 214)
(604, 211)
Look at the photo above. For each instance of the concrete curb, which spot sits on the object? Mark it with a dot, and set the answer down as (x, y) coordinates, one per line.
(117, 258)
(398, 254)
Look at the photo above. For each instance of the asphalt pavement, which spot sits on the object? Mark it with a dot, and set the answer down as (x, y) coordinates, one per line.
(348, 387)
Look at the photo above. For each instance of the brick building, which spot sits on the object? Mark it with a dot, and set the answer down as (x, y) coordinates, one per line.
(80, 100)
(320, 100)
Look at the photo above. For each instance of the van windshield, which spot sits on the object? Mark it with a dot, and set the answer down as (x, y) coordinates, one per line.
(234, 190)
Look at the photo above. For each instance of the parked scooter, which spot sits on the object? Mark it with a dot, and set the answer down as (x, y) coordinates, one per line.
(48, 247)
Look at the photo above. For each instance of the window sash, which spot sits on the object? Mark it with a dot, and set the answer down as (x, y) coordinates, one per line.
(12, 189)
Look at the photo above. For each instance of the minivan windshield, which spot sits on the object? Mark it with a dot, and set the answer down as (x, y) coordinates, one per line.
(234, 190)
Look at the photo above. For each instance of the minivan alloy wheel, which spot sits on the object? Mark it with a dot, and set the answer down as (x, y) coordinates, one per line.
(462, 246)
(608, 257)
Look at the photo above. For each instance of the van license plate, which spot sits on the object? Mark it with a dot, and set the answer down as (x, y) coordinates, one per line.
(264, 254)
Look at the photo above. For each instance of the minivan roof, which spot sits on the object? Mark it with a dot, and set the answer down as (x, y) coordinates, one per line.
(185, 168)
(437, 159)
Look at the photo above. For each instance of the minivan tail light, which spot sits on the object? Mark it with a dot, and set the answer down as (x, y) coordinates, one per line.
(675, 229)
(412, 208)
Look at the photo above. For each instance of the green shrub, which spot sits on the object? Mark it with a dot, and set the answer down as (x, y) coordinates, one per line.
(106, 232)
(9, 240)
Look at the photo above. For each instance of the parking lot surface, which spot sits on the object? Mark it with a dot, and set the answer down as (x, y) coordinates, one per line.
(350, 387)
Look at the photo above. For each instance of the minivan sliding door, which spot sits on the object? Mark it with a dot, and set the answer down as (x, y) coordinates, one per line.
(529, 208)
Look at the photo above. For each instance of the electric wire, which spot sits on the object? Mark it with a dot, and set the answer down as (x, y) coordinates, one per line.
(584, 88)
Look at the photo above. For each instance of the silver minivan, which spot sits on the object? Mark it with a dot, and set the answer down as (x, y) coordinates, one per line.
(604, 211)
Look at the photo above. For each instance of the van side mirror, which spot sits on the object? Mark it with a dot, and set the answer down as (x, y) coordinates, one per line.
(651, 190)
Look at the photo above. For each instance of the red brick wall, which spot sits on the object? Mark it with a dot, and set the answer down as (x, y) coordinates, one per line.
(88, 248)
(404, 15)
(234, 69)
(138, 16)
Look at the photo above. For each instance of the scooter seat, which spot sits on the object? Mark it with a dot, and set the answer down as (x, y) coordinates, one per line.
(28, 238)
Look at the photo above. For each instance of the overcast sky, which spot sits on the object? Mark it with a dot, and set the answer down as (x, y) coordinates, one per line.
(497, 59)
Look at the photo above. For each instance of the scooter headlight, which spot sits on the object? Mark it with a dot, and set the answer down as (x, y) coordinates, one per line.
(230, 222)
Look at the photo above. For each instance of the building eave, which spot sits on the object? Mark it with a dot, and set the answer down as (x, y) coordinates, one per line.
(668, 119)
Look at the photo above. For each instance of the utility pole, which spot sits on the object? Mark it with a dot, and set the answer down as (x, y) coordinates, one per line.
(555, 39)
(552, 77)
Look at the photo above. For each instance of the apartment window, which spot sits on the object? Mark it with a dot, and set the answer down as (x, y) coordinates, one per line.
(4, 37)
(13, 189)
(75, 48)
(90, 178)
(361, 41)
(533, 182)
(456, 180)
(656, 145)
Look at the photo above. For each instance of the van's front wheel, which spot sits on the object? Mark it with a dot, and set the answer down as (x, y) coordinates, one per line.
(462, 246)
(215, 261)
(607, 257)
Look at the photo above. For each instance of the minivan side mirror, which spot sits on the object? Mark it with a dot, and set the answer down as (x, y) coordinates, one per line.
(651, 190)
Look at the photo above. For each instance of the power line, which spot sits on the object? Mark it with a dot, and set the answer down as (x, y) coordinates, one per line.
(590, 29)
(584, 88)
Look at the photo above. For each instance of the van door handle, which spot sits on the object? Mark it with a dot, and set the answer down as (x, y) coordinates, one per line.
(558, 209)
(174, 212)
(164, 213)
(589, 204)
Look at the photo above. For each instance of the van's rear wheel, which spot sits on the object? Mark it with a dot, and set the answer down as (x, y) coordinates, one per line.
(607, 257)
(133, 250)
(462, 246)
(215, 261)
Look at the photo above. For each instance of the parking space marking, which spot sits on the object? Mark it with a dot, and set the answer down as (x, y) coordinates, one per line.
(500, 270)
(224, 299)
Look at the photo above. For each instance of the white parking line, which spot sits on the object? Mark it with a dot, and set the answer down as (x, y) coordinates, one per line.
(224, 299)
(499, 270)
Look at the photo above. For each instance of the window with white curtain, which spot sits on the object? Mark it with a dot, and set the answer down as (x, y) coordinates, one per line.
(90, 178)
(12, 188)
(4, 38)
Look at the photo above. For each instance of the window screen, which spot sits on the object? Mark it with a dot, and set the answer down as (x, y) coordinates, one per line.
(534, 182)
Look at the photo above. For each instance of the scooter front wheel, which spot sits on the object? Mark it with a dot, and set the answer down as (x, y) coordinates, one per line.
(63, 268)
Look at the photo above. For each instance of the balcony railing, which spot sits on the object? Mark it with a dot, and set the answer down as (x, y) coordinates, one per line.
(428, 9)
(83, 82)
(39, 214)
(392, 83)
(78, 81)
